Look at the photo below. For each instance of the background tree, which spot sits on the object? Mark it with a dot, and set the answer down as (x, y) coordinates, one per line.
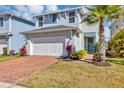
(102, 14)
(117, 43)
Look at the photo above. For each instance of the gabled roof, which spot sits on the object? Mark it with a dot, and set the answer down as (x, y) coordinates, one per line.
(56, 28)
(57, 11)
(20, 17)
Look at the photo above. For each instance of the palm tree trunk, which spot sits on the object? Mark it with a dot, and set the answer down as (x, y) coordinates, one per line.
(101, 42)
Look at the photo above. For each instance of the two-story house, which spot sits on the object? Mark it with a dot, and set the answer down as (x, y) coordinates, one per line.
(10, 27)
(54, 29)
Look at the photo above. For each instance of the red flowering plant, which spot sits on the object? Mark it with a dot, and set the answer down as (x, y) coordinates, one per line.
(23, 51)
(69, 48)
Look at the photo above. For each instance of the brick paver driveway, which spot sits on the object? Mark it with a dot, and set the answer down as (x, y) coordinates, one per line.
(15, 69)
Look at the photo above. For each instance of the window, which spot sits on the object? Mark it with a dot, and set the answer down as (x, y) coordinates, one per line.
(72, 17)
(1, 21)
(46, 19)
(50, 18)
(54, 18)
(40, 21)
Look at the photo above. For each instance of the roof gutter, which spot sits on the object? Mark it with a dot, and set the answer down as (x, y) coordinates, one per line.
(58, 11)
(50, 30)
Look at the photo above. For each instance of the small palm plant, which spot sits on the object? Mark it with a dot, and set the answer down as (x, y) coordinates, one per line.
(102, 14)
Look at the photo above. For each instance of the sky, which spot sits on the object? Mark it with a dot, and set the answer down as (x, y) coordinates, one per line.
(27, 11)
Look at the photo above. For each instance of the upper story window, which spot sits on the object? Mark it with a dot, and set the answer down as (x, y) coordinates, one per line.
(72, 17)
(54, 18)
(1, 21)
(47, 19)
(40, 21)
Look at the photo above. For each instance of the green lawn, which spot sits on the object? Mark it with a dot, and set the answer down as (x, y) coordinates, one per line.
(77, 74)
(4, 58)
(119, 61)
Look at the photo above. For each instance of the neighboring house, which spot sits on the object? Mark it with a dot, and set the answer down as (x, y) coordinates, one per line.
(10, 27)
(54, 29)
(116, 24)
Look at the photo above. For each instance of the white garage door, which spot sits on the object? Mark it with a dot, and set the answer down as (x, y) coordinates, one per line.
(48, 46)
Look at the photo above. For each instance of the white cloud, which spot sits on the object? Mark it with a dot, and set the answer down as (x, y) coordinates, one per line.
(21, 8)
(85, 10)
(16, 12)
(27, 15)
(28, 10)
(51, 7)
(35, 9)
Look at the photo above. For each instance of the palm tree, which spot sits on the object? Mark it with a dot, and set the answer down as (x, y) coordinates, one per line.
(102, 14)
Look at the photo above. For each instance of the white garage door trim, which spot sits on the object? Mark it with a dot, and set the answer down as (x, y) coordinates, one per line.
(1, 48)
(54, 46)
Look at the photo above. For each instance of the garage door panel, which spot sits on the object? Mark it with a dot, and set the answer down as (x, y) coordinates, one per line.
(48, 40)
(40, 48)
(60, 48)
(49, 46)
(52, 48)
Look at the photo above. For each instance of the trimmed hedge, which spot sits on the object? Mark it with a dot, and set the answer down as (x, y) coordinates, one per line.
(79, 54)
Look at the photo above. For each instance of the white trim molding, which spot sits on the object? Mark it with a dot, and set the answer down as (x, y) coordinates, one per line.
(31, 47)
(10, 30)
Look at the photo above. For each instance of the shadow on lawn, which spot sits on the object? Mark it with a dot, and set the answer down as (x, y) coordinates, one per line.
(119, 61)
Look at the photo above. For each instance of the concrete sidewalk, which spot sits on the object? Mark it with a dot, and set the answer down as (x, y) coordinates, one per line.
(9, 85)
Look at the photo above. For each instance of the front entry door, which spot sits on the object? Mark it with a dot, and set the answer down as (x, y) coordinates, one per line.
(90, 44)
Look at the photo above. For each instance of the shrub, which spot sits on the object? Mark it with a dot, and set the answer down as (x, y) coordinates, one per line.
(110, 53)
(117, 43)
(5, 51)
(96, 60)
(96, 47)
(22, 51)
(79, 54)
(12, 52)
(96, 57)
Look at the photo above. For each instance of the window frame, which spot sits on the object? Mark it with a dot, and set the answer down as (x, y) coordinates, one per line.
(3, 22)
(46, 19)
(72, 16)
(40, 21)
(52, 20)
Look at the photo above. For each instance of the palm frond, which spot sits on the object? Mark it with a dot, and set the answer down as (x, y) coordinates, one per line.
(102, 12)
(90, 20)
